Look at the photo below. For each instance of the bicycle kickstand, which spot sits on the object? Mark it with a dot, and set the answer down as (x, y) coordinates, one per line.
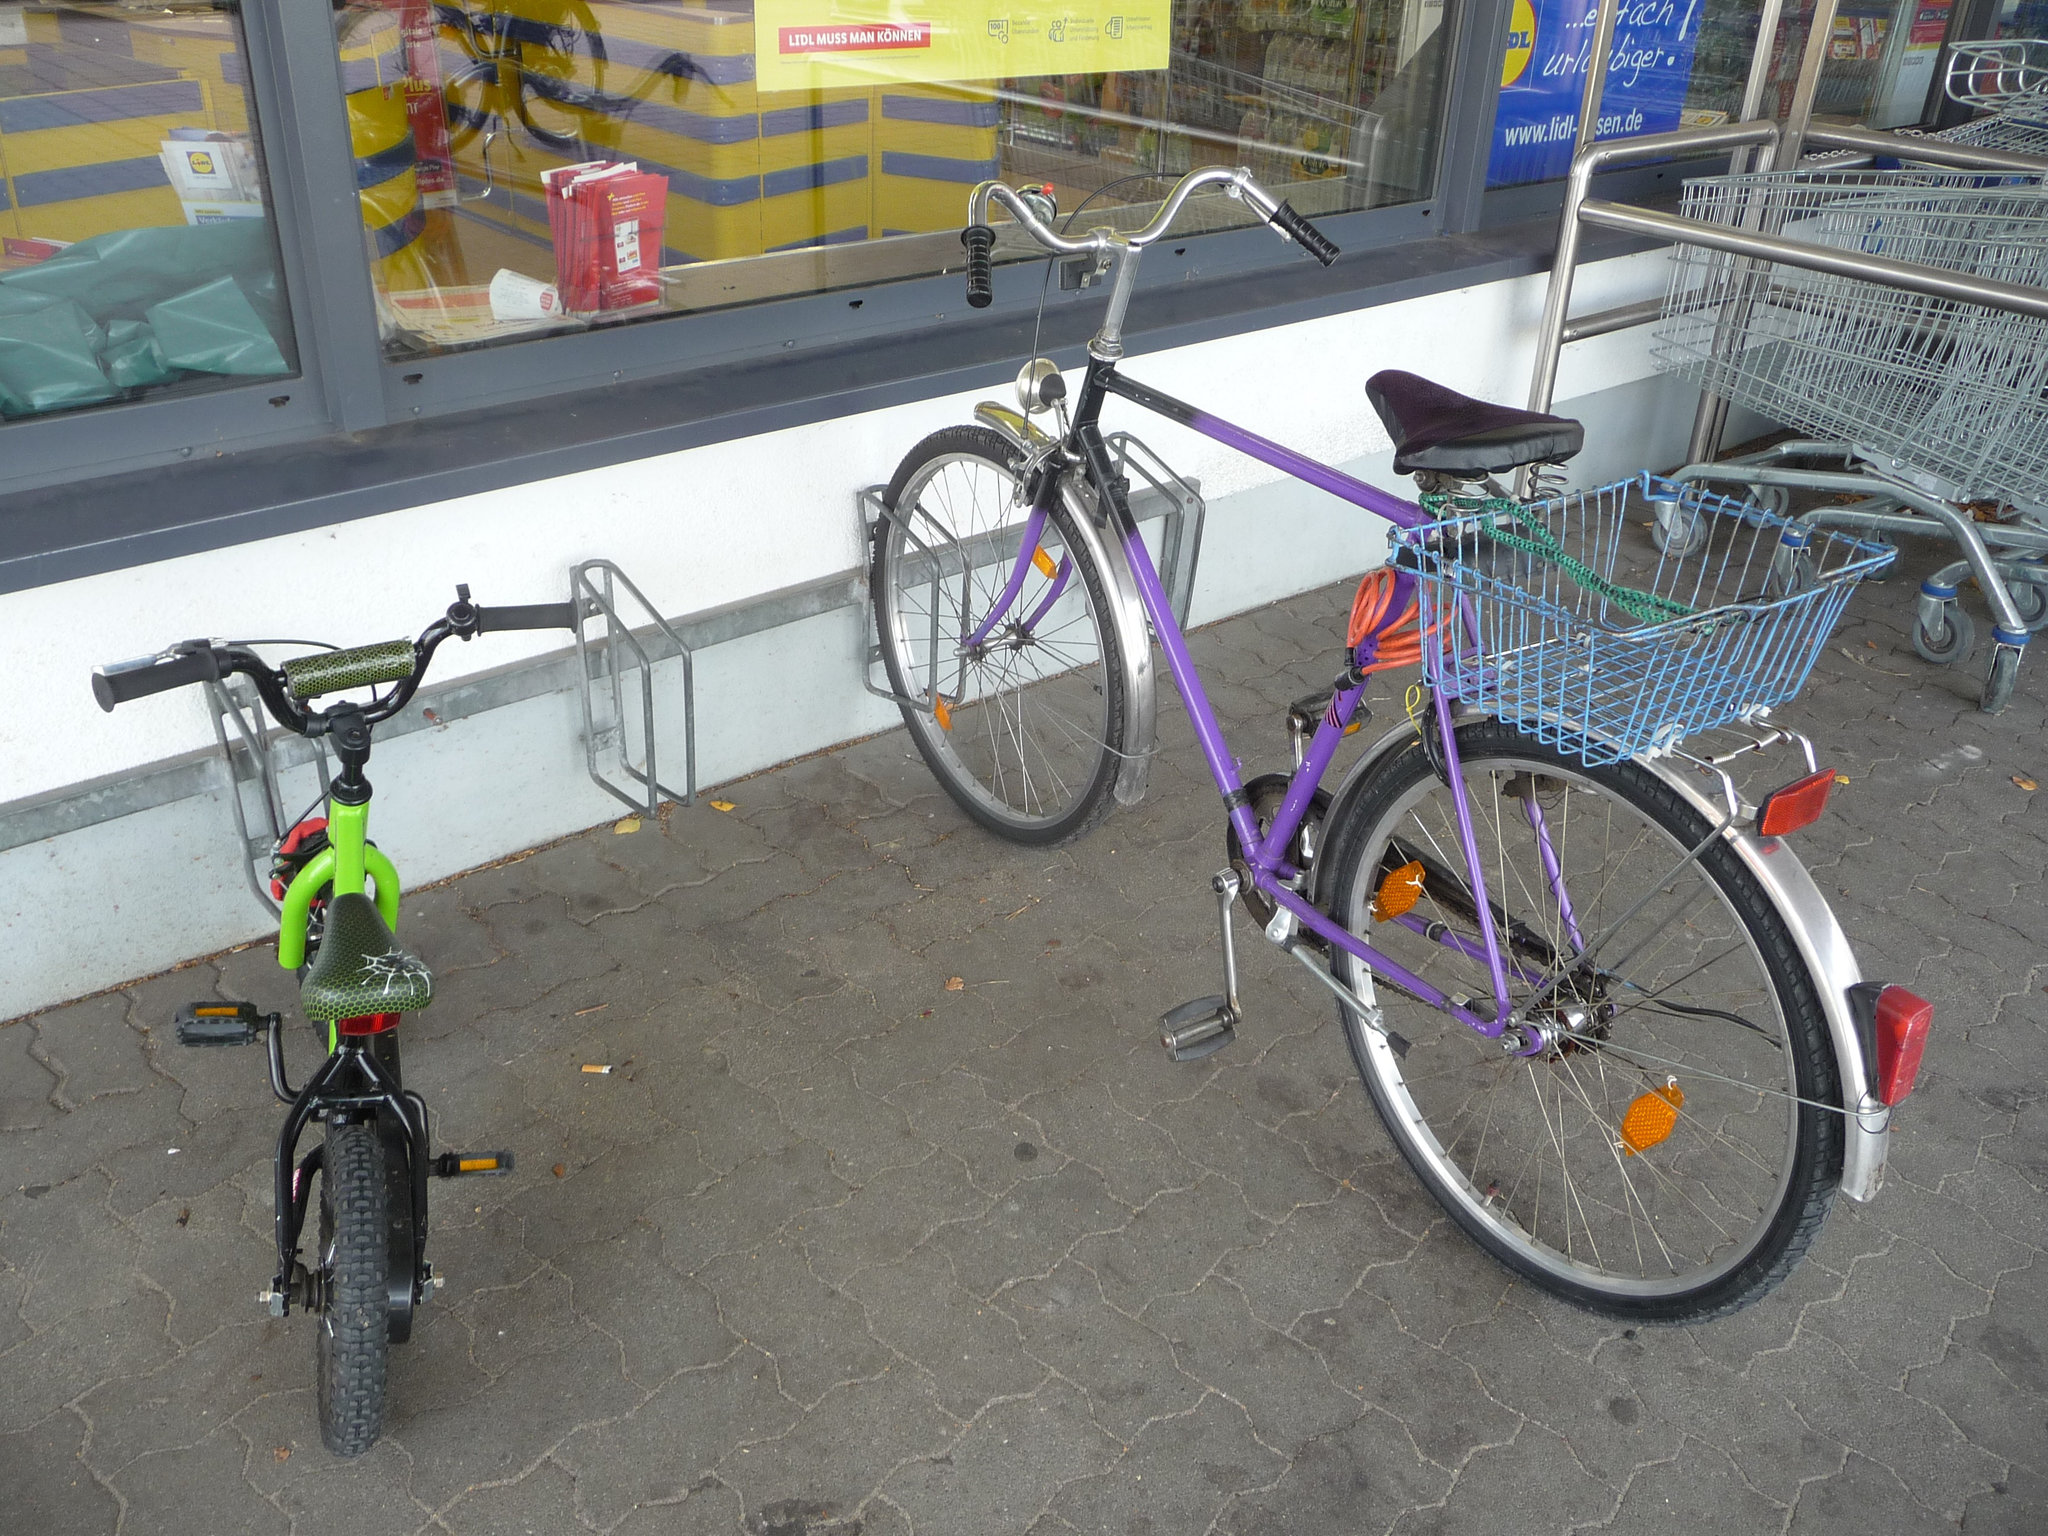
(1204, 1026)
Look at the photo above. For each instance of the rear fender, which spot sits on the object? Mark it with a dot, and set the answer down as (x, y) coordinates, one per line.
(1816, 933)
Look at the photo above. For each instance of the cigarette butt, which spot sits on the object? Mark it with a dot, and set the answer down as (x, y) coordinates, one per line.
(591, 1066)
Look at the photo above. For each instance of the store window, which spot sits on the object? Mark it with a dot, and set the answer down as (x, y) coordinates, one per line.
(533, 166)
(136, 252)
(1684, 63)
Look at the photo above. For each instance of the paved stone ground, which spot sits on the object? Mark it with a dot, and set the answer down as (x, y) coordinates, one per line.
(837, 1249)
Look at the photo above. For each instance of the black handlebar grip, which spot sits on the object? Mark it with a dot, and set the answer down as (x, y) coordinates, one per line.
(120, 681)
(978, 238)
(525, 616)
(1304, 234)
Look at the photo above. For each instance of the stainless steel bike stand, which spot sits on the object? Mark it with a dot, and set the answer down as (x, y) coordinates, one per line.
(245, 749)
(1180, 543)
(1157, 490)
(610, 670)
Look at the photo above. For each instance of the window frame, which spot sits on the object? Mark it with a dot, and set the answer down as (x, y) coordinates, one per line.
(346, 388)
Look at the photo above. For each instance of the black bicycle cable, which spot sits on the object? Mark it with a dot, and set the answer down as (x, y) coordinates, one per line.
(1067, 228)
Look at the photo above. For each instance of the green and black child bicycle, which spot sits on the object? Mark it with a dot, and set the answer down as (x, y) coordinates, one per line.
(368, 1270)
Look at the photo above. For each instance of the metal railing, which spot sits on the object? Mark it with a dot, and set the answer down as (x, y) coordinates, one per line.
(1779, 145)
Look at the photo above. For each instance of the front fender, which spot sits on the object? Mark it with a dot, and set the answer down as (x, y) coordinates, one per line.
(1126, 613)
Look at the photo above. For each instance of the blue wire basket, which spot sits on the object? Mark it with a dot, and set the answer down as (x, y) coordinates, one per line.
(1559, 619)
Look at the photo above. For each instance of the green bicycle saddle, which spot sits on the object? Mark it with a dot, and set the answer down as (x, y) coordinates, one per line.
(360, 969)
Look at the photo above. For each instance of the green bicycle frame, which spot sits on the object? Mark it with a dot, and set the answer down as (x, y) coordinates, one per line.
(350, 863)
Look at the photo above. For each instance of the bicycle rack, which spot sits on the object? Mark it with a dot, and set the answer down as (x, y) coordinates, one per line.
(625, 660)
(1164, 494)
(1180, 551)
(246, 749)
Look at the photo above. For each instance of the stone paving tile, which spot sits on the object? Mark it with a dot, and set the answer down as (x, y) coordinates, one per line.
(840, 1250)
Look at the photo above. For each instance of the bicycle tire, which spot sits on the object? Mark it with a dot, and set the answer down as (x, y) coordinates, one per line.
(353, 1341)
(1027, 730)
(1692, 1225)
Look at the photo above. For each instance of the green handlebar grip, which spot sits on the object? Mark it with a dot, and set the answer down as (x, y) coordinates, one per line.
(389, 661)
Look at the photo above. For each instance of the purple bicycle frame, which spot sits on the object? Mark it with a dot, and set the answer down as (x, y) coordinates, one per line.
(1266, 855)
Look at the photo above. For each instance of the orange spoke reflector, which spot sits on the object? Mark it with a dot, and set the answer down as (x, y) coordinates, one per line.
(942, 712)
(1652, 1117)
(1043, 561)
(1399, 891)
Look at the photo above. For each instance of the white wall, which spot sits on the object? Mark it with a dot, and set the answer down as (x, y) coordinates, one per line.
(695, 529)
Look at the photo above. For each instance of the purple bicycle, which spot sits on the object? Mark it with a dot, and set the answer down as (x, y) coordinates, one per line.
(1597, 1002)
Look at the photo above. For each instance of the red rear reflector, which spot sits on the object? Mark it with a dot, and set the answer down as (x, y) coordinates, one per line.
(377, 1023)
(1797, 805)
(1902, 1021)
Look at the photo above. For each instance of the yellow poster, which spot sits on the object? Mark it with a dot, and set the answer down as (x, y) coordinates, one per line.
(811, 44)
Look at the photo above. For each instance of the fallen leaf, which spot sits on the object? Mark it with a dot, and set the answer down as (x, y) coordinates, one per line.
(1870, 645)
(722, 805)
(560, 1170)
(955, 984)
(1841, 778)
(282, 1453)
(626, 825)
(2024, 782)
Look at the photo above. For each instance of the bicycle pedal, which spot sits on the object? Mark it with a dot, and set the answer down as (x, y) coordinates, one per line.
(1199, 1028)
(220, 1024)
(456, 1165)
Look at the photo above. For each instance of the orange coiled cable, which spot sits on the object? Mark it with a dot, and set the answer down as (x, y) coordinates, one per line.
(1398, 638)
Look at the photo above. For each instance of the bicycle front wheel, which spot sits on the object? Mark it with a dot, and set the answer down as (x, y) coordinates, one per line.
(1669, 1153)
(1013, 688)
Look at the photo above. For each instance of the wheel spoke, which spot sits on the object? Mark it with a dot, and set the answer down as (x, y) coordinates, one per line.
(1690, 1021)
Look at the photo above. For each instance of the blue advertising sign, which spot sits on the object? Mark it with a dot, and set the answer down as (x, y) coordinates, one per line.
(1550, 43)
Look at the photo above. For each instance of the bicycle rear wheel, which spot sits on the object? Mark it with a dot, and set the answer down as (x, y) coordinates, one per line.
(1023, 727)
(352, 1346)
(1667, 1155)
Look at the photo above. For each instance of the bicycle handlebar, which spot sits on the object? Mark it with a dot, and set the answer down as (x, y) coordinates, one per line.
(285, 689)
(119, 682)
(978, 237)
(491, 621)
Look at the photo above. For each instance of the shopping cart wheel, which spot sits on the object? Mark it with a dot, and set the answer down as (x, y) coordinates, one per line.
(1950, 640)
(1774, 499)
(1998, 682)
(1678, 529)
(1791, 571)
(2030, 598)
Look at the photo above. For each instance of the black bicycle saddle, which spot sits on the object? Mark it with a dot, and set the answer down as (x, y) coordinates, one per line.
(1438, 428)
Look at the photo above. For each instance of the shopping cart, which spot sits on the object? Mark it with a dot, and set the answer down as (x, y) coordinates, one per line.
(1935, 410)
(1997, 72)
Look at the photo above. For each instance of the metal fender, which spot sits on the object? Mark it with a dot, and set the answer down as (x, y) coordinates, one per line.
(1815, 932)
(1825, 949)
(1126, 613)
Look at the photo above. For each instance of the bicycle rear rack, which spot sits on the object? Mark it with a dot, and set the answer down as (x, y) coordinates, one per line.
(625, 660)
(1156, 491)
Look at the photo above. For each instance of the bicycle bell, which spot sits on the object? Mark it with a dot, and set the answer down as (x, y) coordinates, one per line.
(1039, 386)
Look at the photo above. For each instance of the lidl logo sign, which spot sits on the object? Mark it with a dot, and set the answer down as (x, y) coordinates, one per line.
(201, 162)
(1521, 42)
